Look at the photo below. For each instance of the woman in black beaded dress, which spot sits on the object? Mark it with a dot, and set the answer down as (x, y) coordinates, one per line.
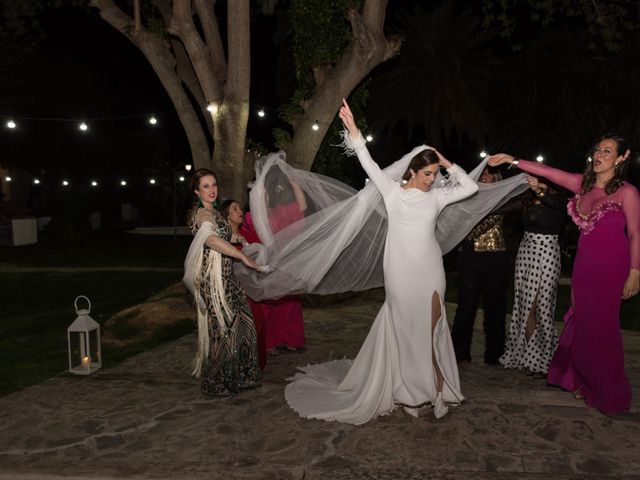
(227, 358)
(532, 337)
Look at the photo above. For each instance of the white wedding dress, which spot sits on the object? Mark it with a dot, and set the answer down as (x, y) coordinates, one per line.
(394, 365)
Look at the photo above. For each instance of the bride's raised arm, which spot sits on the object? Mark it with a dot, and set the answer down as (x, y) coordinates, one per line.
(354, 141)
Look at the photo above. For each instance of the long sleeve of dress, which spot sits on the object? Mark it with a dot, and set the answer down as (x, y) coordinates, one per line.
(631, 209)
(555, 200)
(465, 187)
(382, 182)
(570, 181)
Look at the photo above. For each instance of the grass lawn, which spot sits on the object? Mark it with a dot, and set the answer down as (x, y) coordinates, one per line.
(104, 249)
(37, 308)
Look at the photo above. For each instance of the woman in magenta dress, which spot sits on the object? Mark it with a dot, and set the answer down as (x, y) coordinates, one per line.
(283, 321)
(589, 360)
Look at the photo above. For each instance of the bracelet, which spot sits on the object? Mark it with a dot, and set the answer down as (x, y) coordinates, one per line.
(514, 163)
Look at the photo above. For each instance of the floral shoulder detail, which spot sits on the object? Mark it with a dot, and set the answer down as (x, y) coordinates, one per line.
(452, 179)
(586, 223)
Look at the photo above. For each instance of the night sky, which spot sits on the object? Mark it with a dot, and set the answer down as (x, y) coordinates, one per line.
(86, 71)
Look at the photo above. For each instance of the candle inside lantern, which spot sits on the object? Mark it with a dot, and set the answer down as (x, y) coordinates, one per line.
(85, 362)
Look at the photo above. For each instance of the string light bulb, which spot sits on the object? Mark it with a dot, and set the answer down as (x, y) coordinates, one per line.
(123, 183)
(83, 126)
(7, 179)
(315, 127)
(187, 167)
(261, 113)
(369, 138)
(153, 120)
(152, 181)
(483, 154)
(11, 124)
(539, 158)
(94, 183)
(36, 181)
(181, 178)
(65, 183)
(212, 108)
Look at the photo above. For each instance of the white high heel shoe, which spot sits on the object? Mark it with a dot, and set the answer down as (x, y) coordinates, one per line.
(440, 409)
(411, 411)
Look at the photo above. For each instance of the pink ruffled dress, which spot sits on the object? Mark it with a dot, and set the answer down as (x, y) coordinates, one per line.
(590, 353)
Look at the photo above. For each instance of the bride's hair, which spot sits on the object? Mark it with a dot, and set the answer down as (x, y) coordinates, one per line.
(420, 160)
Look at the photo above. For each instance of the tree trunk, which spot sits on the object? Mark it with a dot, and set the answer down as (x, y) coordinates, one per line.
(229, 155)
(368, 48)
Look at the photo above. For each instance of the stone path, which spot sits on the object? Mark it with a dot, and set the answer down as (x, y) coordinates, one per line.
(147, 419)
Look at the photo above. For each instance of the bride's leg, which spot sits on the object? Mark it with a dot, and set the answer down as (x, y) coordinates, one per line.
(440, 408)
(436, 313)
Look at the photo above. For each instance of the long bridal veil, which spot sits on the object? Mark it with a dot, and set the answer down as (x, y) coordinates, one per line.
(338, 246)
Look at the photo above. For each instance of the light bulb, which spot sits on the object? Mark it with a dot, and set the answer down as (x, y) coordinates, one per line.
(213, 108)
(36, 181)
(369, 138)
(65, 183)
(94, 183)
(187, 167)
(84, 127)
(11, 124)
(153, 120)
(261, 113)
(152, 181)
(483, 154)
(315, 127)
(539, 158)
(123, 183)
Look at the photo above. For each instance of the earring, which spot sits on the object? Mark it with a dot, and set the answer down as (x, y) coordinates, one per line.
(413, 176)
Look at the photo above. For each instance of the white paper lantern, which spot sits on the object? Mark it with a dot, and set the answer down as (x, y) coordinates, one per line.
(83, 337)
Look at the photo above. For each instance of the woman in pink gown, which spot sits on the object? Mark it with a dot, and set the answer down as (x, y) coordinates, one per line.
(283, 321)
(589, 360)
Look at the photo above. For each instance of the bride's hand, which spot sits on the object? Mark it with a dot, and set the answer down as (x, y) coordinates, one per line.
(349, 122)
(442, 161)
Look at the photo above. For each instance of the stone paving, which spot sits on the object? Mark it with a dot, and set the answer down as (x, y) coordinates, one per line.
(146, 419)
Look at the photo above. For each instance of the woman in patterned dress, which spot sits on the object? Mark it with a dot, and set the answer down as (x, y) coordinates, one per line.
(589, 360)
(227, 357)
(532, 337)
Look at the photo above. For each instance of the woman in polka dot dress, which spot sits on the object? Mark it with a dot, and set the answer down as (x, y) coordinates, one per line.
(589, 360)
(532, 337)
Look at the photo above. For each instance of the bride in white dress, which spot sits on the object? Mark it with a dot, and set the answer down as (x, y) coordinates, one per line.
(407, 358)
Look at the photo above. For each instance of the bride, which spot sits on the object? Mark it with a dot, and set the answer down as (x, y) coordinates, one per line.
(407, 358)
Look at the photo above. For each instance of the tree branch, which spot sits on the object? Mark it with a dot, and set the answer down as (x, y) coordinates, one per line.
(182, 25)
(209, 22)
(239, 39)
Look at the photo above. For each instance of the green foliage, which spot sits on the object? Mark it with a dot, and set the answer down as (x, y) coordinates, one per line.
(441, 82)
(559, 96)
(606, 21)
(330, 159)
(320, 34)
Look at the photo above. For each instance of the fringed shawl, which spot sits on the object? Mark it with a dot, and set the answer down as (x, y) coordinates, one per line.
(193, 265)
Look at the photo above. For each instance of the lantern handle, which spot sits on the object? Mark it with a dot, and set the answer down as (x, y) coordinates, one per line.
(76, 303)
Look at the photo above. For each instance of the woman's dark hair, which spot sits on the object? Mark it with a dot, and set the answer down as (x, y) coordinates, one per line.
(420, 160)
(225, 206)
(620, 172)
(277, 184)
(194, 183)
